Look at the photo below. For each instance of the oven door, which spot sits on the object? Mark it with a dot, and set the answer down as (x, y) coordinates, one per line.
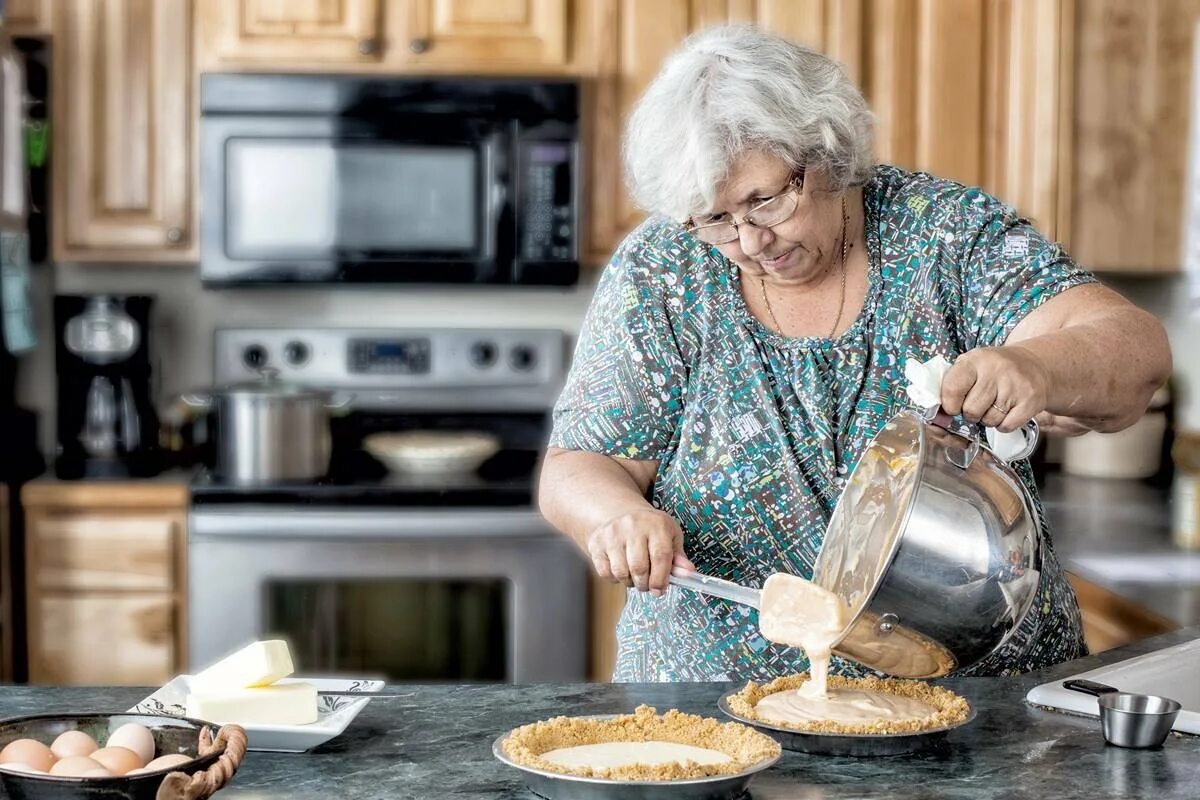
(326, 199)
(413, 595)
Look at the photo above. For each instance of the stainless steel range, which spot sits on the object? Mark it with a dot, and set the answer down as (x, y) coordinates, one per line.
(449, 576)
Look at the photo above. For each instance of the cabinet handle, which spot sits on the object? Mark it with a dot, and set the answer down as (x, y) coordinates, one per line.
(366, 46)
(418, 46)
(174, 235)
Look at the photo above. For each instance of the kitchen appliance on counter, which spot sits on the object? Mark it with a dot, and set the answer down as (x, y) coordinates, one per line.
(333, 179)
(107, 425)
(435, 575)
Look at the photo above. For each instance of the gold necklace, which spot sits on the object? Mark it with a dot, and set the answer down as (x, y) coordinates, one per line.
(841, 303)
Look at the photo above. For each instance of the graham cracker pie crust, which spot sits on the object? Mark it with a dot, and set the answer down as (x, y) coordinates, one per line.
(744, 745)
(948, 709)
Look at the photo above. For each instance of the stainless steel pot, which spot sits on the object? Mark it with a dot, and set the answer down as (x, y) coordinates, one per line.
(267, 431)
(936, 546)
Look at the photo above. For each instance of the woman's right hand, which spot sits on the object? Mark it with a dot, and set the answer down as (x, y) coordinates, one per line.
(638, 549)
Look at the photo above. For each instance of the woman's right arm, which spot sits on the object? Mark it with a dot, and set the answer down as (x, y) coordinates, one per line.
(600, 502)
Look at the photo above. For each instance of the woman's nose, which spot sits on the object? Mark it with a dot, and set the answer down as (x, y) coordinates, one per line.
(753, 240)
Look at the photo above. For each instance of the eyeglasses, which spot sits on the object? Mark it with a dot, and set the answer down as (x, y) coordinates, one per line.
(768, 213)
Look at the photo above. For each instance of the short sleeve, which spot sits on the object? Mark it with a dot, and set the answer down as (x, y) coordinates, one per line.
(1007, 270)
(624, 392)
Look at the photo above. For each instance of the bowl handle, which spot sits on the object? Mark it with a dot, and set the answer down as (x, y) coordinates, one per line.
(231, 743)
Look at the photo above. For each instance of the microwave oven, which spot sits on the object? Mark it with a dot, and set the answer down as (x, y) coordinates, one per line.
(319, 179)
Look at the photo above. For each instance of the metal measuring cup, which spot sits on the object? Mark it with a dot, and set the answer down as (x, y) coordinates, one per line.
(1128, 719)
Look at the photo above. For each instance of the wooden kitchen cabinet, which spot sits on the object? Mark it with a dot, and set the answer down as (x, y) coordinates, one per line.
(124, 187)
(444, 36)
(29, 17)
(105, 567)
(1132, 101)
(273, 33)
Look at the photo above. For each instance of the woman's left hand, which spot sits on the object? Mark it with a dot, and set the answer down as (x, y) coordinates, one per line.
(1001, 387)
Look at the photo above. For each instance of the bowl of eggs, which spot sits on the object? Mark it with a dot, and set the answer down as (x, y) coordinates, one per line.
(115, 756)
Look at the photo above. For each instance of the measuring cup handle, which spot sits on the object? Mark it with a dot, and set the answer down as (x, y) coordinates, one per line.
(707, 584)
(1089, 687)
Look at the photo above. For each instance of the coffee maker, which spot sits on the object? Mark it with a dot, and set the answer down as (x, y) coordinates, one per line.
(107, 426)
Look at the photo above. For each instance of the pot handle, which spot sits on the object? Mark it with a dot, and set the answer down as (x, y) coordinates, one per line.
(197, 400)
(340, 401)
(1029, 431)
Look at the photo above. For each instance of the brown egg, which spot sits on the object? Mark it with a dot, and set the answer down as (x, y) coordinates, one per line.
(73, 743)
(168, 761)
(79, 767)
(27, 751)
(117, 760)
(137, 738)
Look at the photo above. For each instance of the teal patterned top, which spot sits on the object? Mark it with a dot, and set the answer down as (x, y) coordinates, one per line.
(756, 432)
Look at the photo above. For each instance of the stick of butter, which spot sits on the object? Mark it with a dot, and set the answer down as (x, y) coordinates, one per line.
(257, 664)
(281, 704)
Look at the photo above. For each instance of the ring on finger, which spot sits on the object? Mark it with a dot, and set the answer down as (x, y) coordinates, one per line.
(1003, 411)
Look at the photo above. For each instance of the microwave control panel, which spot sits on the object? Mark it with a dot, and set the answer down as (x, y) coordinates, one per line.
(547, 200)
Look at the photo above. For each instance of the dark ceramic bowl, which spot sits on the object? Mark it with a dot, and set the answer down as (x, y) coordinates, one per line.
(171, 735)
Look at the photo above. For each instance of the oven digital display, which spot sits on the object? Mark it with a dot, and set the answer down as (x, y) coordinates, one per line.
(389, 356)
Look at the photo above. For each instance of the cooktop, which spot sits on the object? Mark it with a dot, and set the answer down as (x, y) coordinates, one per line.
(356, 478)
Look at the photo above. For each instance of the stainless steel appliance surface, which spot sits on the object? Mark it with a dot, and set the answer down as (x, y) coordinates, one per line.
(325, 179)
(442, 576)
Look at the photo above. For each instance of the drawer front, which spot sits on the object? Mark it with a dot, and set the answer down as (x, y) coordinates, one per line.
(103, 640)
(94, 551)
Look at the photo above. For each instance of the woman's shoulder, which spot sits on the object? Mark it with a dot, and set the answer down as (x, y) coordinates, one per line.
(946, 203)
(660, 258)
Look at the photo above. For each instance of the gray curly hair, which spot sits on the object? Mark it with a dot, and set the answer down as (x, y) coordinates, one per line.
(734, 89)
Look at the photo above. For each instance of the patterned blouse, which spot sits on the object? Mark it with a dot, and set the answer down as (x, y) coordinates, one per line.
(756, 432)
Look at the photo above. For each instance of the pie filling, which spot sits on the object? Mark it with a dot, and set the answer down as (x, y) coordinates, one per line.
(606, 755)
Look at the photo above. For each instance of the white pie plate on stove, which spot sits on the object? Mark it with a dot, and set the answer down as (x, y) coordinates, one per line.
(334, 714)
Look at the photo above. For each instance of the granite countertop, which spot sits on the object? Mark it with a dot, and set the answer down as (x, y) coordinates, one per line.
(1097, 524)
(435, 741)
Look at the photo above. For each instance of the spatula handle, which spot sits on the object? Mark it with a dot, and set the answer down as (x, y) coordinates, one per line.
(717, 587)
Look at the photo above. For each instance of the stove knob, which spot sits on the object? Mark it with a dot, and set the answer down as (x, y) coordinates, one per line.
(483, 354)
(254, 356)
(296, 353)
(523, 357)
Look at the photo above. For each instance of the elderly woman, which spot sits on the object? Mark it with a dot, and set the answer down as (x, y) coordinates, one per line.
(747, 342)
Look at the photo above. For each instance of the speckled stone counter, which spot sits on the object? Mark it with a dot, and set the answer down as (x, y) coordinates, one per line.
(435, 741)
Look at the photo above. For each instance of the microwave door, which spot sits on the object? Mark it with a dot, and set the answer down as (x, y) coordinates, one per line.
(358, 209)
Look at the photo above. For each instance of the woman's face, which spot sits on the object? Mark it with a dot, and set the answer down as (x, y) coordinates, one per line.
(796, 251)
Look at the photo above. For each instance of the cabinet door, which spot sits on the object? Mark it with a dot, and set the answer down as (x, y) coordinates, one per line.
(285, 33)
(123, 180)
(1132, 100)
(94, 639)
(488, 35)
(88, 551)
(29, 17)
(633, 40)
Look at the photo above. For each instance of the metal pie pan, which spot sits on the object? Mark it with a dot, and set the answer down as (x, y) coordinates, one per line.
(863, 745)
(558, 786)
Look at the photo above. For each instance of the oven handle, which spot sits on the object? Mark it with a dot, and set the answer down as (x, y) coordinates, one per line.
(279, 523)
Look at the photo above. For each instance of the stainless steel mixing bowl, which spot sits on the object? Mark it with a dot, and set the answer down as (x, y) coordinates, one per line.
(936, 546)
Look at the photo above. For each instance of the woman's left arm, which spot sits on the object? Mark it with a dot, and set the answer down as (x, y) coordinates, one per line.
(1084, 360)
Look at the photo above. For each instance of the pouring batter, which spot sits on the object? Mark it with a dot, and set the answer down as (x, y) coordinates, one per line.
(799, 613)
